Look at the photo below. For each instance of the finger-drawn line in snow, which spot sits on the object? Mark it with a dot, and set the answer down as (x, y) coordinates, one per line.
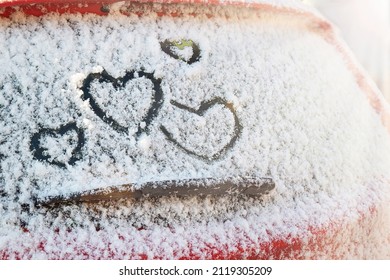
(119, 83)
(41, 153)
(204, 107)
(173, 49)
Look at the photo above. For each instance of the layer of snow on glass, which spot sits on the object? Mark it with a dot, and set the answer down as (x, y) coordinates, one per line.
(304, 122)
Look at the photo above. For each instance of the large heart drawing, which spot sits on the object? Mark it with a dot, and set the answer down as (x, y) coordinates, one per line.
(41, 153)
(120, 84)
(173, 49)
(201, 111)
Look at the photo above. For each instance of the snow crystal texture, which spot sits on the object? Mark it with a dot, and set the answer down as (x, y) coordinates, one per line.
(91, 102)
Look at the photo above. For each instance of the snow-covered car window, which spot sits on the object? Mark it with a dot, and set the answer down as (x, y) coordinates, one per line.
(90, 102)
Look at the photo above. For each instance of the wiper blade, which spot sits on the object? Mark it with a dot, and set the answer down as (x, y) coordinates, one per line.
(251, 186)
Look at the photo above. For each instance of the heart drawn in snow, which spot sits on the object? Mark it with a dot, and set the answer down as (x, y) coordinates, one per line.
(63, 145)
(128, 102)
(185, 50)
(217, 133)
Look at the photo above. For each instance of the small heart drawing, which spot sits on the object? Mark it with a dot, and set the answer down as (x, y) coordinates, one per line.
(125, 104)
(67, 150)
(185, 50)
(217, 133)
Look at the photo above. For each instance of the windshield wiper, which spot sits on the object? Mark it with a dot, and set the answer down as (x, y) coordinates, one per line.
(251, 186)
